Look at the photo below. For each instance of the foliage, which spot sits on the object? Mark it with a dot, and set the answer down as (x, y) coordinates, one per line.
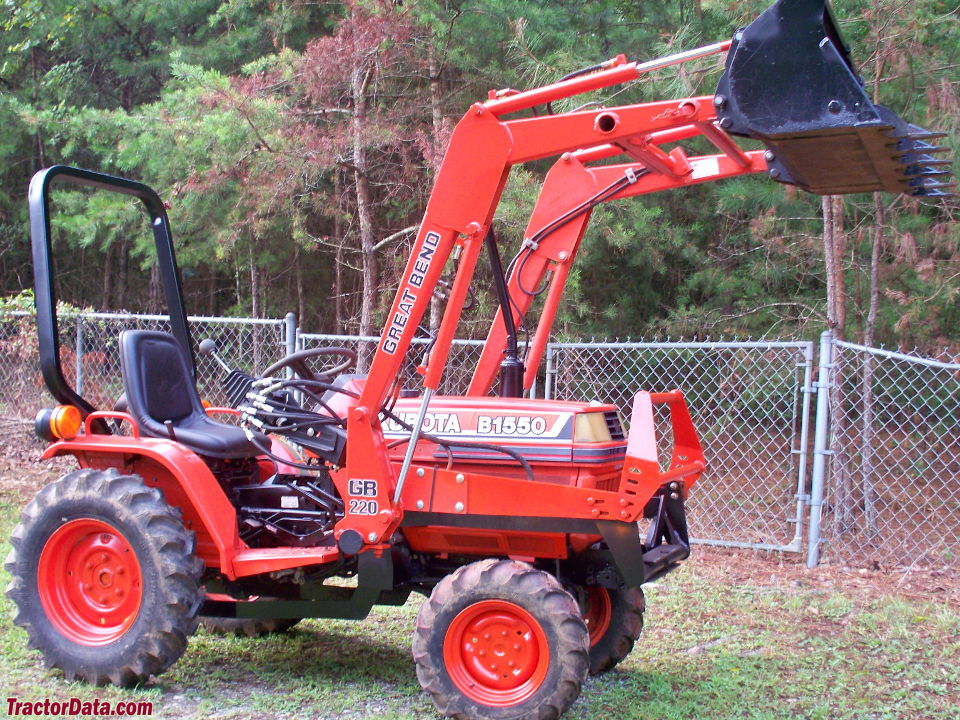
(251, 117)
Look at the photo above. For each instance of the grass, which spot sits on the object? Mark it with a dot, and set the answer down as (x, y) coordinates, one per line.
(719, 644)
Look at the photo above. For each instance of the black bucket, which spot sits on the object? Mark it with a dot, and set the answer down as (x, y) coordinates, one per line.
(790, 83)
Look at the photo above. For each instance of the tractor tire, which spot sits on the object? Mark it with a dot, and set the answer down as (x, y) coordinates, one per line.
(244, 627)
(104, 578)
(614, 619)
(465, 662)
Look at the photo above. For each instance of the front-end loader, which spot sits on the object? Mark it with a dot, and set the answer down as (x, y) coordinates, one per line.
(531, 525)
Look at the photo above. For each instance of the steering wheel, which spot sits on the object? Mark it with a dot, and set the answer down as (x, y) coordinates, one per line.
(298, 363)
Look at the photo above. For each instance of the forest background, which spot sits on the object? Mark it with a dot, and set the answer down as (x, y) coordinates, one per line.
(296, 143)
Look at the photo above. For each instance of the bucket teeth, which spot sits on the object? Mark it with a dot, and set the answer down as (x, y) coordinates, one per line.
(929, 162)
(925, 135)
(923, 182)
(919, 172)
(823, 131)
(935, 190)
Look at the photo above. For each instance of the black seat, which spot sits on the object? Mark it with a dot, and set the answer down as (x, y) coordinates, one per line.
(159, 388)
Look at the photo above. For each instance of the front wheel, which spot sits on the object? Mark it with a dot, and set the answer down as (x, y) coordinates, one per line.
(104, 578)
(500, 640)
(614, 618)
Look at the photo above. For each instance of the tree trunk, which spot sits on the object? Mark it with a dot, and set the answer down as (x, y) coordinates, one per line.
(154, 293)
(866, 386)
(867, 436)
(212, 293)
(338, 324)
(107, 294)
(359, 82)
(298, 277)
(833, 253)
(123, 272)
(437, 121)
(254, 305)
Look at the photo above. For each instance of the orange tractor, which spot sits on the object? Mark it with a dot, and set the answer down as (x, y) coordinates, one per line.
(531, 525)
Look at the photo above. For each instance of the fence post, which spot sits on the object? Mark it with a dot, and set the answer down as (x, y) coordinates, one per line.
(290, 332)
(78, 386)
(548, 375)
(290, 338)
(803, 498)
(820, 450)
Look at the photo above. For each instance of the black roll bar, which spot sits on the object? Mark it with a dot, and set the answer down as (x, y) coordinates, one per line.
(45, 293)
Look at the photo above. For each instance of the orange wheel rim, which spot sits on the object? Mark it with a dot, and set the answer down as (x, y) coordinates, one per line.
(598, 612)
(496, 653)
(89, 582)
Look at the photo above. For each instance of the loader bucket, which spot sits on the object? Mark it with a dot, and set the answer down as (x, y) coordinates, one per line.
(789, 82)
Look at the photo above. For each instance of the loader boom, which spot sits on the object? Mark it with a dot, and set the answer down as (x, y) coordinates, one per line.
(487, 142)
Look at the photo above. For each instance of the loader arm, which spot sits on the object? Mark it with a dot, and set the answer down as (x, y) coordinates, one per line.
(570, 190)
(875, 150)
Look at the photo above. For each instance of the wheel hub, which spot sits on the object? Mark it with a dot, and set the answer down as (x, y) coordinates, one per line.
(89, 582)
(597, 612)
(496, 653)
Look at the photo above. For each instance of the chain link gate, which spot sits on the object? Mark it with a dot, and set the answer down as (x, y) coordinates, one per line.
(750, 403)
(893, 455)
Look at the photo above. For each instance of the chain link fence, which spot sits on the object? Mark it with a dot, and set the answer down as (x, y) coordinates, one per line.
(748, 402)
(89, 355)
(893, 493)
(886, 461)
(463, 358)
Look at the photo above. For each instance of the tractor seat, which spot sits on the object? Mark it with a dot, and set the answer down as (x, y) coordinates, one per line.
(159, 387)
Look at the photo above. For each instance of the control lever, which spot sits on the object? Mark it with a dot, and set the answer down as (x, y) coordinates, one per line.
(209, 347)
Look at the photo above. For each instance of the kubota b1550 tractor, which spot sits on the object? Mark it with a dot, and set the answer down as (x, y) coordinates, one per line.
(531, 525)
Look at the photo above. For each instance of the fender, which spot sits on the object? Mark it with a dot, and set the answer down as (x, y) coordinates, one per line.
(180, 474)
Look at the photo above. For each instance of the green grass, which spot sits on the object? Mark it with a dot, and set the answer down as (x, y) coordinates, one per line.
(714, 648)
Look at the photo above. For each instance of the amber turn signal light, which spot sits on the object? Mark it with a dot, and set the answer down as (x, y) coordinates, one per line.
(60, 423)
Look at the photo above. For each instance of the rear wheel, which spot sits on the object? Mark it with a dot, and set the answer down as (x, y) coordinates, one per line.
(500, 640)
(614, 619)
(104, 578)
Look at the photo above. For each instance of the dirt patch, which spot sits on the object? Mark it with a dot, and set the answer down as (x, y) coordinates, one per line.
(22, 473)
(771, 569)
